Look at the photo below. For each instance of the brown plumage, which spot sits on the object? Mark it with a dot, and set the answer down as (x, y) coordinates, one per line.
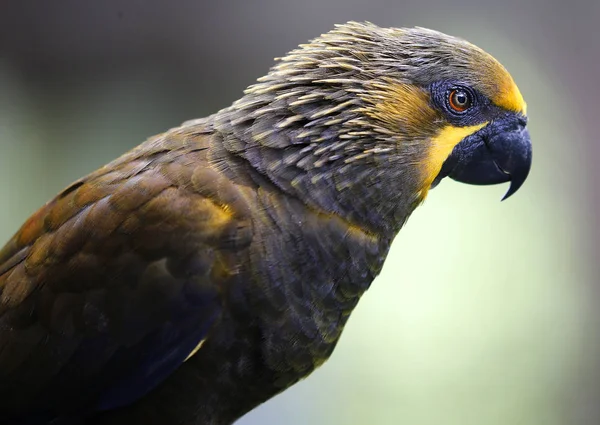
(215, 265)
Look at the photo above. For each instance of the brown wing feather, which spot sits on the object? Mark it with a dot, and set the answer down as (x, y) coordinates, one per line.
(127, 261)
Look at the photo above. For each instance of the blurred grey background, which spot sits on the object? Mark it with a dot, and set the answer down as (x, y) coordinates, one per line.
(485, 312)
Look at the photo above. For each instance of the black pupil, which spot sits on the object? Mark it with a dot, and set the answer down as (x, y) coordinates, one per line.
(461, 98)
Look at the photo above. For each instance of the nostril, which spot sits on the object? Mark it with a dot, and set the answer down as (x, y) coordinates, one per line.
(522, 120)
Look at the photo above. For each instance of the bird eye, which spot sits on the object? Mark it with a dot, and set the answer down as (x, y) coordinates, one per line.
(459, 100)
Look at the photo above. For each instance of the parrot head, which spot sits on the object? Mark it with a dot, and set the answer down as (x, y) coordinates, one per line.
(460, 102)
(476, 111)
(363, 121)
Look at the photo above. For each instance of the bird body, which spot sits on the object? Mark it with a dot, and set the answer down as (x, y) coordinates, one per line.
(216, 264)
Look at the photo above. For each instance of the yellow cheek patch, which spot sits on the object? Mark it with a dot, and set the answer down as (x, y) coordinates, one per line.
(399, 107)
(441, 147)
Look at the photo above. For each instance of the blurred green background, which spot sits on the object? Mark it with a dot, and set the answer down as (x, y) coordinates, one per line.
(485, 312)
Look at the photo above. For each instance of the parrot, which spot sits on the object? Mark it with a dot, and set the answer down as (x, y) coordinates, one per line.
(216, 264)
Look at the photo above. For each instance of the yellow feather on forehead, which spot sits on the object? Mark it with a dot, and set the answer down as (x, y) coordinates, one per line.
(496, 82)
(508, 96)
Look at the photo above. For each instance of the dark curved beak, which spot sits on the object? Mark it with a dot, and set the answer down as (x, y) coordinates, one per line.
(498, 153)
